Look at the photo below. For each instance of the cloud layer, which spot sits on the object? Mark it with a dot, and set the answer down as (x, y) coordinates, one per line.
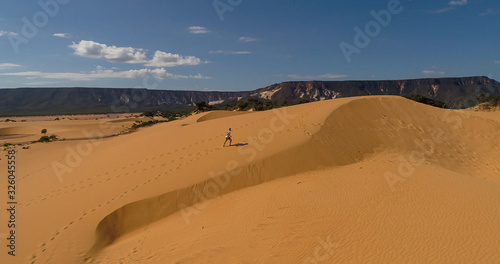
(198, 30)
(6, 33)
(164, 59)
(317, 77)
(61, 35)
(433, 73)
(247, 39)
(91, 49)
(451, 6)
(114, 54)
(229, 52)
(458, 2)
(102, 73)
(4, 66)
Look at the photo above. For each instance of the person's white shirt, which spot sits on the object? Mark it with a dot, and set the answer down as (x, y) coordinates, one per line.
(228, 135)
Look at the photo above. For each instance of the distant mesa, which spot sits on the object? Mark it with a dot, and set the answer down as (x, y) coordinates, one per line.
(454, 92)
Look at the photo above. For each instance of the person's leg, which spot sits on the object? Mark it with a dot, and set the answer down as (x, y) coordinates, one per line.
(224, 143)
(230, 141)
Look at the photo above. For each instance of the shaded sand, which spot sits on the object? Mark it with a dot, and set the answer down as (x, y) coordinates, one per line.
(219, 114)
(368, 179)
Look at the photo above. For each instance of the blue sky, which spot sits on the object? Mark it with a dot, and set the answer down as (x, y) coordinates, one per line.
(232, 45)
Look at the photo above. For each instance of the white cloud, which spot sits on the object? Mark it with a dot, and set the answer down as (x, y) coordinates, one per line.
(164, 59)
(323, 76)
(91, 49)
(40, 83)
(61, 35)
(229, 52)
(5, 33)
(198, 30)
(451, 6)
(4, 66)
(432, 73)
(497, 62)
(488, 11)
(458, 2)
(102, 73)
(442, 10)
(247, 39)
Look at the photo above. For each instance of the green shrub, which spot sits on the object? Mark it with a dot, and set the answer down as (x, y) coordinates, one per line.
(253, 104)
(44, 131)
(490, 99)
(202, 106)
(44, 139)
(47, 138)
(426, 100)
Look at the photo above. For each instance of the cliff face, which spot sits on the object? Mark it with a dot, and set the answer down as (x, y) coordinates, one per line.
(101, 100)
(455, 92)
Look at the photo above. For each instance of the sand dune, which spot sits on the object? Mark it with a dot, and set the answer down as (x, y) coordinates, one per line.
(357, 180)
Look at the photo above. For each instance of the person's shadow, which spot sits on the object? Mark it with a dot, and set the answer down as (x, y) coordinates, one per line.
(239, 144)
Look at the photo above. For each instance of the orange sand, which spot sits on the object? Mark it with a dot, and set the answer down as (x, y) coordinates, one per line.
(360, 180)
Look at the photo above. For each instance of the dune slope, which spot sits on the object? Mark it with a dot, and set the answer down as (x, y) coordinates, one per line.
(356, 130)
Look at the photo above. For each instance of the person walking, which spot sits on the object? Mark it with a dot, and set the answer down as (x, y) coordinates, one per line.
(228, 137)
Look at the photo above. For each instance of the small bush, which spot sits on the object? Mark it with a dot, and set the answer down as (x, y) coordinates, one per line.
(202, 106)
(426, 100)
(490, 99)
(44, 131)
(253, 104)
(44, 139)
(47, 138)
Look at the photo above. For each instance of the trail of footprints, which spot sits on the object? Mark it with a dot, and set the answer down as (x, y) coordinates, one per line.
(32, 173)
(302, 124)
(60, 160)
(61, 191)
(72, 188)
